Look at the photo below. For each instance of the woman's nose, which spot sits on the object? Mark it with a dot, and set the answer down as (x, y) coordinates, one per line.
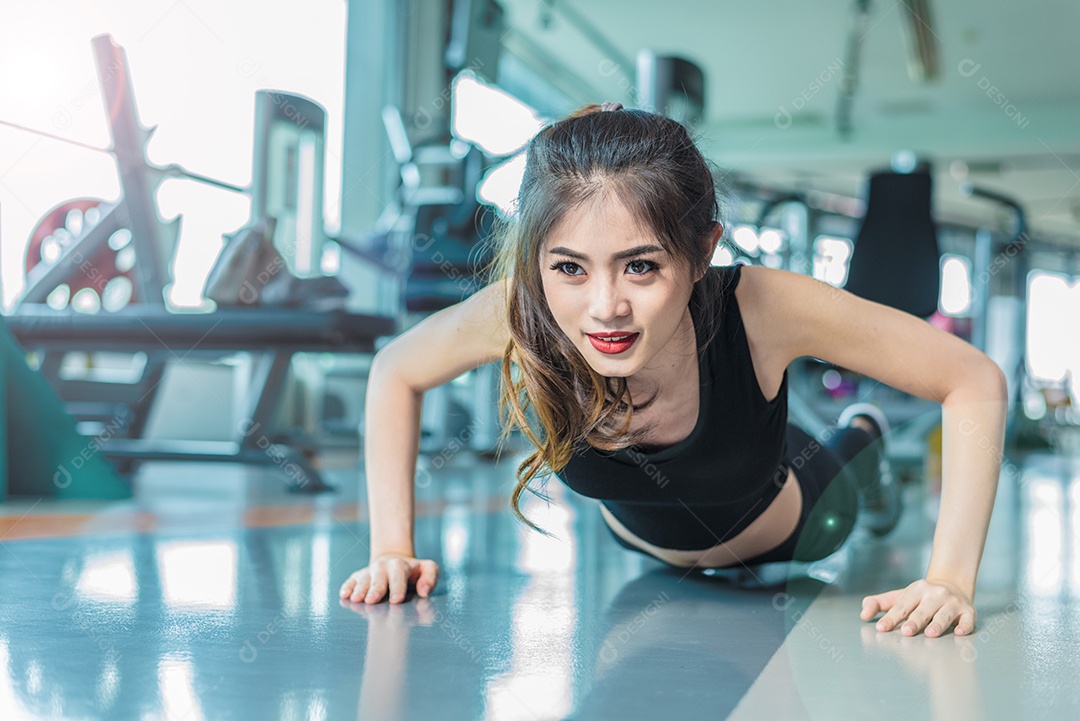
(607, 302)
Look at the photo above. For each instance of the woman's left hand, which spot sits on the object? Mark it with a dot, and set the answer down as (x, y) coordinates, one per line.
(937, 603)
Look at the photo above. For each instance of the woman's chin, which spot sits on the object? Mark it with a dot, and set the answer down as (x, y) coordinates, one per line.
(612, 368)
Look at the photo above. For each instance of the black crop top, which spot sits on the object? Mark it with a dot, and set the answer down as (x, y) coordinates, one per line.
(708, 487)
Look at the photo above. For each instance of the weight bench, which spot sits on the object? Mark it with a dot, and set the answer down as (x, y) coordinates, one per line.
(274, 334)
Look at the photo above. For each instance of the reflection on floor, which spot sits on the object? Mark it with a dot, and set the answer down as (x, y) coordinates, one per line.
(213, 596)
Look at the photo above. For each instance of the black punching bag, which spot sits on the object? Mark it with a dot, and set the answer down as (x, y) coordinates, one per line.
(896, 260)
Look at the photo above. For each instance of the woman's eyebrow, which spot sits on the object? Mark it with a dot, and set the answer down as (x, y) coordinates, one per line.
(637, 250)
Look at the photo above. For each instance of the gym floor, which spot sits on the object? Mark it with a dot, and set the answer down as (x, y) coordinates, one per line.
(213, 595)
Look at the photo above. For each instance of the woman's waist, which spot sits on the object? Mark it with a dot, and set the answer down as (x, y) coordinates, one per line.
(711, 542)
(684, 527)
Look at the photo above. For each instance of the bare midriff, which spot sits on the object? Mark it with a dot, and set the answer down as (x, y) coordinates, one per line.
(771, 528)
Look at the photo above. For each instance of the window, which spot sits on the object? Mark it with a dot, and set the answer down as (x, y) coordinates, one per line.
(1053, 312)
(195, 67)
(831, 258)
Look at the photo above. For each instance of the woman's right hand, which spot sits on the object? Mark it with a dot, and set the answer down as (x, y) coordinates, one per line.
(394, 572)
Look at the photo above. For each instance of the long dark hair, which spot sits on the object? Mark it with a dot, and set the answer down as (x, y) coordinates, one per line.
(654, 167)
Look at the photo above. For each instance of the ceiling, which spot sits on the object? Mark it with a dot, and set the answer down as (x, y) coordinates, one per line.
(1004, 113)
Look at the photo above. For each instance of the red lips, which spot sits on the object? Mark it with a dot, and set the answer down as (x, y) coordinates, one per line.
(603, 343)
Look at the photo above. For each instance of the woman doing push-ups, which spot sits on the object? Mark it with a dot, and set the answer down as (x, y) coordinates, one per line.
(656, 383)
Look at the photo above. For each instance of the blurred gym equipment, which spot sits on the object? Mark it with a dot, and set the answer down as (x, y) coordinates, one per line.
(896, 260)
(440, 227)
(476, 31)
(89, 246)
(287, 177)
(672, 86)
(923, 54)
(41, 454)
(1001, 330)
(274, 334)
(84, 244)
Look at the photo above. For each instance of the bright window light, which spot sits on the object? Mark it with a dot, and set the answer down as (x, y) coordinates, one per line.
(831, 257)
(746, 238)
(198, 573)
(723, 255)
(500, 185)
(49, 81)
(1053, 303)
(955, 285)
(108, 577)
(490, 118)
(771, 240)
(330, 262)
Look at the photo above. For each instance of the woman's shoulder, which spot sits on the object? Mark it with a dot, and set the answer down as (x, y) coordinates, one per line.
(765, 297)
(746, 290)
(756, 283)
(752, 286)
(718, 283)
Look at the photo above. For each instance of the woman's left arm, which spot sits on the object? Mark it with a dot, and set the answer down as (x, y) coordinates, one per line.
(807, 317)
(973, 434)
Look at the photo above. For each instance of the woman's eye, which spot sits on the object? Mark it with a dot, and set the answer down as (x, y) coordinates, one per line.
(561, 267)
(643, 266)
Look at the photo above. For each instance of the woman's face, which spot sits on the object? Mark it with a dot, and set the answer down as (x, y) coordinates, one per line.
(604, 273)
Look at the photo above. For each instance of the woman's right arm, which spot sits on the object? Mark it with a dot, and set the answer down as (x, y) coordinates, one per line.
(438, 349)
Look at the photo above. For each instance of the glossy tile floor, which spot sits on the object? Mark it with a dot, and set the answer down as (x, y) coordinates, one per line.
(213, 596)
